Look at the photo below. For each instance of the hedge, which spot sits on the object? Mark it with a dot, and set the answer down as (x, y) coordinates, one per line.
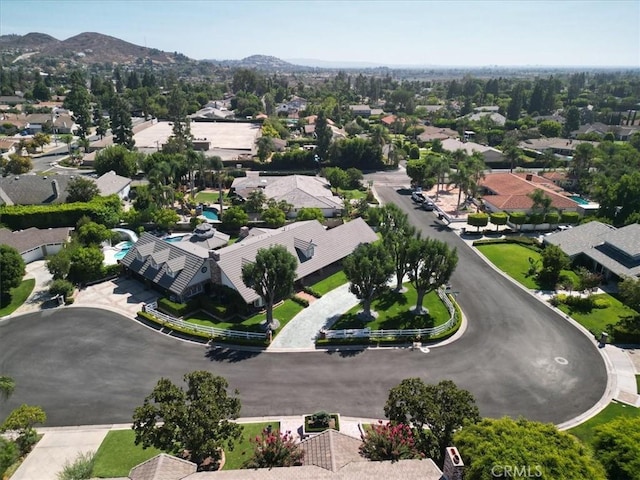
(526, 241)
(312, 292)
(177, 309)
(570, 217)
(300, 301)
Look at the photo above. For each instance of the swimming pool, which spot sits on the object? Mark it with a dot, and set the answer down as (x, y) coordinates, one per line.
(123, 249)
(210, 214)
(175, 238)
(579, 199)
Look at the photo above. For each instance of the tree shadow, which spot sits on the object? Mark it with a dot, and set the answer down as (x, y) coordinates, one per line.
(229, 355)
(389, 298)
(407, 320)
(346, 352)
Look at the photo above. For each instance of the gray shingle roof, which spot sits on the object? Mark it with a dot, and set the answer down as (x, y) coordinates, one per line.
(579, 239)
(25, 240)
(183, 264)
(111, 183)
(33, 189)
(329, 247)
(626, 239)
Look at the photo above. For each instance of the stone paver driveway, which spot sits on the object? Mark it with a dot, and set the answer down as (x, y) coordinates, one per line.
(123, 295)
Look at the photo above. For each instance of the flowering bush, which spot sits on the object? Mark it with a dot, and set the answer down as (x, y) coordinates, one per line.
(273, 449)
(389, 442)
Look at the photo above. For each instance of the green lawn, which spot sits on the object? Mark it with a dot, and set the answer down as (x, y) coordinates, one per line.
(118, 454)
(243, 449)
(394, 312)
(597, 319)
(208, 197)
(331, 282)
(352, 194)
(513, 259)
(585, 431)
(18, 296)
(284, 313)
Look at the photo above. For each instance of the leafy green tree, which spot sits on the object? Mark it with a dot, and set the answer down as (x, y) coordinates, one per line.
(550, 128)
(617, 446)
(121, 125)
(554, 260)
(81, 189)
(86, 264)
(7, 387)
(165, 218)
(487, 447)
(498, 218)
(478, 220)
(389, 442)
(78, 101)
(271, 276)
(274, 217)
(265, 147)
(41, 139)
(355, 178)
(420, 174)
(22, 421)
(310, 213)
(588, 279)
(572, 121)
(397, 234)
(515, 105)
(323, 135)
(274, 449)
(17, 164)
(116, 158)
(368, 269)
(92, 233)
(337, 177)
(435, 412)
(61, 287)
(234, 217)
(431, 264)
(12, 270)
(518, 219)
(629, 290)
(195, 422)
(59, 264)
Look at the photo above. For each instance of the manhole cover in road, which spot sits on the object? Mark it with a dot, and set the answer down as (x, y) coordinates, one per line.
(561, 360)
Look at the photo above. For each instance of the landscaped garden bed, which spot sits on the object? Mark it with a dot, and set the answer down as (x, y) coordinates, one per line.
(319, 422)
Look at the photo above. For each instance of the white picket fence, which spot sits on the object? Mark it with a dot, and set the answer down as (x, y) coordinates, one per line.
(413, 332)
(168, 321)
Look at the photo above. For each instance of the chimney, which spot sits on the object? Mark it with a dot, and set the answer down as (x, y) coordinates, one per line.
(529, 177)
(54, 187)
(453, 466)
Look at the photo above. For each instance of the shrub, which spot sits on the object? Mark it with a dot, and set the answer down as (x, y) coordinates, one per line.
(61, 287)
(177, 309)
(312, 292)
(272, 449)
(112, 270)
(320, 419)
(571, 218)
(8, 454)
(389, 442)
(300, 301)
(80, 469)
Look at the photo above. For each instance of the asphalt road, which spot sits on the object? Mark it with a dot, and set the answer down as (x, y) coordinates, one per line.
(518, 357)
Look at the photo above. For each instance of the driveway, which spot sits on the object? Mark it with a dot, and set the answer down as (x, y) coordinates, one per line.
(123, 295)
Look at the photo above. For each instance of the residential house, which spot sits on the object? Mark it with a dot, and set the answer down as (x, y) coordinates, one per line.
(180, 271)
(495, 117)
(561, 178)
(436, 133)
(217, 109)
(390, 120)
(565, 147)
(186, 268)
(63, 124)
(12, 100)
(8, 145)
(37, 122)
(301, 191)
(360, 110)
(614, 252)
(310, 127)
(33, 189)
(292, 108)
(34, 243)
(112, 184)
(509, 192)
(487, 108)
(328, 455)
(490, 154)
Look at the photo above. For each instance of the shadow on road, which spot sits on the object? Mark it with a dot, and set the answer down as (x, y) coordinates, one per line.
(228, 355)
(347, 352)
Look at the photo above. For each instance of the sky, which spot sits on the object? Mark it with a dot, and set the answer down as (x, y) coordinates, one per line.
(418, 32)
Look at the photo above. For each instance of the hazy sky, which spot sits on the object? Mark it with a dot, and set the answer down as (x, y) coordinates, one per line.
(509, 32)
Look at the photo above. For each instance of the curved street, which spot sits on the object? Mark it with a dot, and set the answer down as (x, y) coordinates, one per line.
(518, 357)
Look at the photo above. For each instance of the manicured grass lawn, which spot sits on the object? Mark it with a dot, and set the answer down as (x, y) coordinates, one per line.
(208, 197)
(352, 194)
(18, 296)
(333, 281)
(513, 259)
(284, 313)
(585, 431)
(118, 454)
(243, 449)
(394, 312)
(597, 319)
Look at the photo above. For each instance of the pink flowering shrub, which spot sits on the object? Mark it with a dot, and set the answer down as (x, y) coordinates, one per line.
(389, 442)
(273, 449)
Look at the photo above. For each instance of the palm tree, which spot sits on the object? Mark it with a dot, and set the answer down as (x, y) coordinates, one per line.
(476, 167)
(462, 179)
(440, 167)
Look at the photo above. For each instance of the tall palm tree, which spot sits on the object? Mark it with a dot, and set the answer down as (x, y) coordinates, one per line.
(461, 177)
(476, 168)
(440, 167)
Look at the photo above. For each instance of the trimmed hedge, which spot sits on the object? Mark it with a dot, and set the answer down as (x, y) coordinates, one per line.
(571, 218)
(177, 309)
(526, 241)
(300, 301)
(312, 292)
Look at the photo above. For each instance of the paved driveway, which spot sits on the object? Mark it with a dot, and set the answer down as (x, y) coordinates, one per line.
(123, 295)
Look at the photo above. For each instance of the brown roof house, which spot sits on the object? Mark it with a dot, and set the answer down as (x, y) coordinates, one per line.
(330, 455)
(614, 252)
(490, 154)
(35, 243)
(436, 133)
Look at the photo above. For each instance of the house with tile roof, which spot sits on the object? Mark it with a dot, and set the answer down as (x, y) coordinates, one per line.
(35, 243)
(431, 133)
(330, 455)
(187, 268)
(614, 252)
(301, 191)
(565, 147)
(509, 192)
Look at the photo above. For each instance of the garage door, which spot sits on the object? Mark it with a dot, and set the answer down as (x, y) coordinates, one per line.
(32, 255)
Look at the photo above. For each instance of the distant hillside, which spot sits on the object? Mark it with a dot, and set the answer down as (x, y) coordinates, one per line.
(259, 62)
(88, 47)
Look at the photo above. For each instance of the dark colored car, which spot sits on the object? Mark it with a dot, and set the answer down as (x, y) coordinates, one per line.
(428, 205)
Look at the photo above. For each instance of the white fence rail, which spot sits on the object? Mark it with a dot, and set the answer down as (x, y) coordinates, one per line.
(168, 320)
(413, 332)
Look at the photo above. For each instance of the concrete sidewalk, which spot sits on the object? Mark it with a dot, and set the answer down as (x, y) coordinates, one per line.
(62, 445)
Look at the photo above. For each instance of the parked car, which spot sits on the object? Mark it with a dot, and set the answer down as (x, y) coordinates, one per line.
(418, 197)
(428, 205)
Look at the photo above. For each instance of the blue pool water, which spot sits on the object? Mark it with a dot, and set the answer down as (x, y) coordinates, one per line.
(578, 199)
(173, 239)
(124, 249)
(210, 215)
